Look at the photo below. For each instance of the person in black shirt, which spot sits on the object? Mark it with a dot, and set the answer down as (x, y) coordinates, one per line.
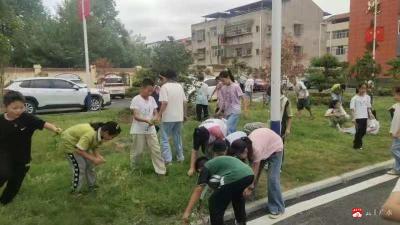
(16, 130)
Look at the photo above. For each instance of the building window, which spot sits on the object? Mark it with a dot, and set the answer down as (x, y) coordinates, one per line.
(215, 51)
(238, 52)
(340, 34)
(257, 29)
(248, 51)
(328, 50)
(213, 31)
(340, 50)
(298, 29)
(298, 50)
(200, 35)
(257, 51)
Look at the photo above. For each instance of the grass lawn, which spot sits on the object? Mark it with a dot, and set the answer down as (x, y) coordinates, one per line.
(314, 151)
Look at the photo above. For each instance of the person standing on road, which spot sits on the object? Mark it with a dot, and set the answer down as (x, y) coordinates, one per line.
(360, 107)
(16, 130)
(202, 97)
(143, 131)
(173, 113)
(231, 101)
(303, 97)
(395, 133)
(229, 177)
(261, 147)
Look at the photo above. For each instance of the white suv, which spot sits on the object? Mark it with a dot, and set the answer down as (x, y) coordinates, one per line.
(53, 94)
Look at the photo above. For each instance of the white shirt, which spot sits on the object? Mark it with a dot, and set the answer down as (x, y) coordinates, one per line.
(301, 90)
(395, 125)
(216, 122)
(235, 136)
(360, 105)
(249, 85)
(145, 109)
(174, 95)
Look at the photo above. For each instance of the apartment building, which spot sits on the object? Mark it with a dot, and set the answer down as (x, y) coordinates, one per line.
(337, 35)
(244, 33)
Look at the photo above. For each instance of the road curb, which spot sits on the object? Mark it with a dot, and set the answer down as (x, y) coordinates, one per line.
(316, 186)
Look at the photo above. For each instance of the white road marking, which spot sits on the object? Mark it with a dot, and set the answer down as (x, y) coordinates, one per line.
(323, 199)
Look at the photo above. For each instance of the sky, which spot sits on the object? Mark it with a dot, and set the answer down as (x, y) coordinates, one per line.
(157, 19)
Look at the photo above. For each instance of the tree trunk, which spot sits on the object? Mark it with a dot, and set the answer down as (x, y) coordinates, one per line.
(2, 80)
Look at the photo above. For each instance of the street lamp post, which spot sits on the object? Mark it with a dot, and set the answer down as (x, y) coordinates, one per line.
(276, 66)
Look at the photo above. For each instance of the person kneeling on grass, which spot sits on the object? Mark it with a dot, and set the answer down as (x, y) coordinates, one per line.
(263, 146)
(80, 143)
(204, 136)
(336, 114)
(229, 177)
(16, 130)
(143, 130)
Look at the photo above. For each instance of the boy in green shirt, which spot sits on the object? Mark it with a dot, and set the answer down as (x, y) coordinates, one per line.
(79, 143)
(229, 177)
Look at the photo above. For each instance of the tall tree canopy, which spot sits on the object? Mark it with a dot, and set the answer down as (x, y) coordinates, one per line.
(57, 40)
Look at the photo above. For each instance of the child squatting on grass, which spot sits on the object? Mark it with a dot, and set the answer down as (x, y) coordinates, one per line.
(143, 130)
(16, 130)
(80, 142)
(229, 177)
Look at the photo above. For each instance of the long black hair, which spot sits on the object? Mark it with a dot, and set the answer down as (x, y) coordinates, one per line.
(239, 146)
(111, 127)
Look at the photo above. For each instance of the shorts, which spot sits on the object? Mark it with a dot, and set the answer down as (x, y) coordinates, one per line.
(303, 103)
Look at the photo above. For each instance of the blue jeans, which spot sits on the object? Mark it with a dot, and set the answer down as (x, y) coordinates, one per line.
(275, 198)
(396, 153)
(232, 122)
(173, 129)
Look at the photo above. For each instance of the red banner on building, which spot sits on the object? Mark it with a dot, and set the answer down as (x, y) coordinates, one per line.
(380, 34)
(83, 12)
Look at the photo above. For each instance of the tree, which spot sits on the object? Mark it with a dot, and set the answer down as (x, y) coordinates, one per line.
(9, 25)
(291, 59)
(365, 68)
(395, 68)
(325, 71)
(171, 55)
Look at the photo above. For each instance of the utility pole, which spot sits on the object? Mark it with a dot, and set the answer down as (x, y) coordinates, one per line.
(276, 66)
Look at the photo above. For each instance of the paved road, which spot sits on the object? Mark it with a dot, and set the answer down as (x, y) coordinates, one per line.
(120, 103)
(125, 103)
(339, 212)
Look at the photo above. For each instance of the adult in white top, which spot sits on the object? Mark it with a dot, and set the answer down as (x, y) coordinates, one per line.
(173, 111)
(395, 133)
(360, 106)
(303, 97)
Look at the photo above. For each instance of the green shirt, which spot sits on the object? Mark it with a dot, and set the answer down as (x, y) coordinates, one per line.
(229, 168)
(336, 88)
(82, 137)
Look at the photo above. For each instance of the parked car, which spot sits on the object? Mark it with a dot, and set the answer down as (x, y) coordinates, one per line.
(45, 93)
(212, 84)
(114, 84)
(97, 103)
(260, 85)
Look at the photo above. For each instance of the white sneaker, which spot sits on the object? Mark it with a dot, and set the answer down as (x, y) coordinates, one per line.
(393, 172)
(275, 216)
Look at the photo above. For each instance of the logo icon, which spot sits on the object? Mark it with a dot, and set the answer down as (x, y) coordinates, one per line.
(357, 213)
